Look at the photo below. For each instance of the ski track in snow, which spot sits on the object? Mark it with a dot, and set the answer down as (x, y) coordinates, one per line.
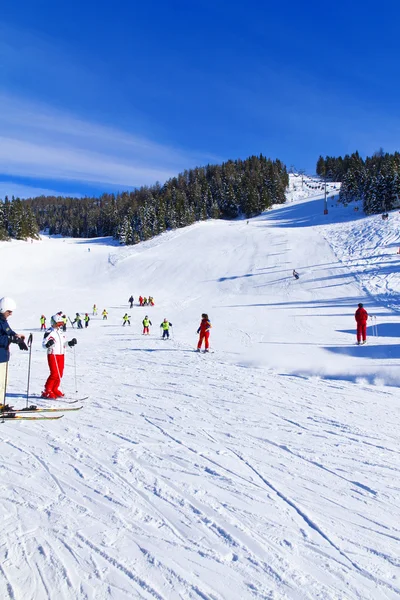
(267, 469)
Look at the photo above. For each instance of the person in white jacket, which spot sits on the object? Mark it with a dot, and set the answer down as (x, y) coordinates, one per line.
(54, 341)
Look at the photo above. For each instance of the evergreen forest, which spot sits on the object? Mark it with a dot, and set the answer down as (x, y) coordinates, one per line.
(240, 188)
(17, 220)
(375, 181)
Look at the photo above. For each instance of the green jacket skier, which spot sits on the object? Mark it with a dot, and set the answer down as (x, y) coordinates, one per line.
(146, 322)
(165, 325)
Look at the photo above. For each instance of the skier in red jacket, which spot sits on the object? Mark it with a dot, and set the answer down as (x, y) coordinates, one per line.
(204, 331)
(361, 317)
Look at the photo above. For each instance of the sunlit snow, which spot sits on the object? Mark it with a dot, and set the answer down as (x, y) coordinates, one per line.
(268, 469)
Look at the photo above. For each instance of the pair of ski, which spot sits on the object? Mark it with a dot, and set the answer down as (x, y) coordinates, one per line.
(19, 414)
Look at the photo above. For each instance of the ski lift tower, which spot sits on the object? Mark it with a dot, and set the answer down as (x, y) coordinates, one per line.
(328, 174)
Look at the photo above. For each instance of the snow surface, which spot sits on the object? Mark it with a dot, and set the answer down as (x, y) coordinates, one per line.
(268, 469)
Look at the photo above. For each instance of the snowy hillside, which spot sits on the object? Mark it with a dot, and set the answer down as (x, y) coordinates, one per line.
(267, 469)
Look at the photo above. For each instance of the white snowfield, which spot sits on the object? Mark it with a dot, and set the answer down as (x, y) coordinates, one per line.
(268, 469)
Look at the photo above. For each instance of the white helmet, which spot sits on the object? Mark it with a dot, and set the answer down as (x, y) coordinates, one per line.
(56, 319)
(7, 303)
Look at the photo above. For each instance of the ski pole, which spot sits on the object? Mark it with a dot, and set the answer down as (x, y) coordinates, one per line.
(76, 384)
(29, 344)
(5, 391)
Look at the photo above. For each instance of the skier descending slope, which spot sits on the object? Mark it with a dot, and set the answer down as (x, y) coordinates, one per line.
(146, 323)
(55, 341)
(204, 331)
(165, 325)
(361, 317)
(295, 274)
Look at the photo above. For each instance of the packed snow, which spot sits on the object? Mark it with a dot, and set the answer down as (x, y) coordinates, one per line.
(267, 469)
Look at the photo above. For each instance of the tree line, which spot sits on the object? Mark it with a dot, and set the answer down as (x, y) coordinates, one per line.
(375, 181)
(232, 189)
(17, 220)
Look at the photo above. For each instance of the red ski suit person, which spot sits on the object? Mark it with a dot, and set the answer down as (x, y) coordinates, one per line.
(361, 318)
(54, 342)
(204, 331)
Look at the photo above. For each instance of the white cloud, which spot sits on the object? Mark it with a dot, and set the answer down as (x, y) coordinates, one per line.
(19, 190)
(39, 141)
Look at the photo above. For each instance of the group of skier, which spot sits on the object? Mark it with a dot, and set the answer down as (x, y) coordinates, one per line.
(55, 342)
(78, 320)
(63, 317)
(143, 301)
(165, 325)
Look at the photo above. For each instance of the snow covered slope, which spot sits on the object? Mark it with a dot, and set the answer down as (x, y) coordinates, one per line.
(267, 469)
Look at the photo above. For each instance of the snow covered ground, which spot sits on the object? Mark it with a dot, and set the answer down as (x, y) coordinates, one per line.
(266, 470)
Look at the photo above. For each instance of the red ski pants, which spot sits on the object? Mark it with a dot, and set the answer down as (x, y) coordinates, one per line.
(56, 366)
(204, 336)
(361, 332)
(145, 330)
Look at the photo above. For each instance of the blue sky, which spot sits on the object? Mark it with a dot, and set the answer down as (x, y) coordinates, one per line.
(98, 96)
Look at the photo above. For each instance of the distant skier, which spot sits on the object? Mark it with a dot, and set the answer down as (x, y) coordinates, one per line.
(140, 301)
(165, 325)
(65, 321)
(42, 323)
(125, 320)
(78, 321)
(94, 310)
(361, 317)
(104, 315)
(146, 323)
(54, 342)
(151, 301)
(86, 318)
(204, 331)
(295, 274)
(131, 299)
(144, 301)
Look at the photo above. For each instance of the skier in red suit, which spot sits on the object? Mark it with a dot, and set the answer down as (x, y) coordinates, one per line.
(361, 317)
(54, 342)
(204, 331)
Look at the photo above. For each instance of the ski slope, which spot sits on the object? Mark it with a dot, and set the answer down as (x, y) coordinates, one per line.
(267, 469)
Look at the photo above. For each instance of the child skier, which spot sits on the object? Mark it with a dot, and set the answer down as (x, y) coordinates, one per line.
(151, 301)
(131, 299)
(144, 301)
(86, 318)
(361, 317)
(165, 325)
(204, 331)
(42, 323)
(140, 301)
(146, 322)
(78, 321)
(54, 342)
(105, 314)
(125, 320)
(65, 321)
(94, 310)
